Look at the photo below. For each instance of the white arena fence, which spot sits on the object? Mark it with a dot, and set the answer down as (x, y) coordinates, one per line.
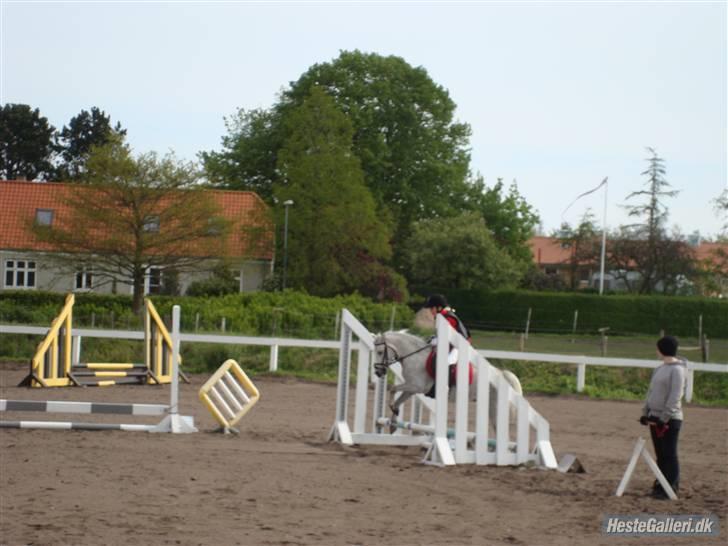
(581, 362)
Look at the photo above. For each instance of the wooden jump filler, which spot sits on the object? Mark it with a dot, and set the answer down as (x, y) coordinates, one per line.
(229, 394)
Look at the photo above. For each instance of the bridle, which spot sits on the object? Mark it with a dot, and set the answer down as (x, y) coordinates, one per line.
(380, 368)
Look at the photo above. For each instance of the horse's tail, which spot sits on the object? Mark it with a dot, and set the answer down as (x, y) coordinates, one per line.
(513, 380)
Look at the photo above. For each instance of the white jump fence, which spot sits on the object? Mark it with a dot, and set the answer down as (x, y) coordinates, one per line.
(447, 436)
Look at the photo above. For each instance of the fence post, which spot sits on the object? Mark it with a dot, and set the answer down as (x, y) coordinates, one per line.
(689, 381)
(273, 365)
(528, 322)
(197, 322)
(391, 319)
(706, 348)
(222, 324)
(573, 330)
(700, 326)
(580, 376)
(522, 342)
(603, 343)
(336, 324)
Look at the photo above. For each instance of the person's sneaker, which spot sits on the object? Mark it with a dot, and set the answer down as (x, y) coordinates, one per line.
(659, 494)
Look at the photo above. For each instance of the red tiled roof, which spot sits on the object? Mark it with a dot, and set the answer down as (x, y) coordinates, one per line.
(548, 250)
(19, 201)
(712, 252)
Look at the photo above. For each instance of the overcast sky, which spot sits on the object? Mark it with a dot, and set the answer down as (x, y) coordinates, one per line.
(558, 94)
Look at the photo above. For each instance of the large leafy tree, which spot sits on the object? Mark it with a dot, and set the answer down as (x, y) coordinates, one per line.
(75, 140)
(413, 153)
(459, 252)
(26, 143)
(135, 213)
(334, 232)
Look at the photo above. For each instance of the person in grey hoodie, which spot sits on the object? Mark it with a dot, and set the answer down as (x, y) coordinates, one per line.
(663, 411)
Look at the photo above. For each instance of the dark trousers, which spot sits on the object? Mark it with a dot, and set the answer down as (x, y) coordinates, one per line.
(666, 452)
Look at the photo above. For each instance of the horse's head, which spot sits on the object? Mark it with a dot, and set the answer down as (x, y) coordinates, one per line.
(385, 355)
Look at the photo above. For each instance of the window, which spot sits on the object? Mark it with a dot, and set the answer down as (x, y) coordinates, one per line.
(84, 279)
(238, 276)
(43, 217)
(214, 226)
(19, 274)
(154, 280)
(151, 224)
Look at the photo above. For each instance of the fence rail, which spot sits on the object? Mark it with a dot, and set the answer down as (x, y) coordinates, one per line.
(274, 343)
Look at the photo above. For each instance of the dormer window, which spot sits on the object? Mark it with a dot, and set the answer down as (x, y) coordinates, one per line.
(43, 217)
(151, 224)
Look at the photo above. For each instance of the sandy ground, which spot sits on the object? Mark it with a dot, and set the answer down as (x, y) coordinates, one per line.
(280, 482)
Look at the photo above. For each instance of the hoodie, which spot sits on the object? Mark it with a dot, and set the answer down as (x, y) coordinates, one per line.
(666, 390)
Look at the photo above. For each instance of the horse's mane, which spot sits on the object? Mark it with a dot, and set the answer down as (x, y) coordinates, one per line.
(417, 340)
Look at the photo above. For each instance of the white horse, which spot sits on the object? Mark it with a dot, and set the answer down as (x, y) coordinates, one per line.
(412, 352)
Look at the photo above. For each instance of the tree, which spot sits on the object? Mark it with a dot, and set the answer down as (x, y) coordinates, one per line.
(334, 231)
(459, 252)
(669, 262)
(509, 217)
(647, 240)
(250, 153)
(26, 143)
(584, 245)
(413, 154)
(75, 141)
(134, 214)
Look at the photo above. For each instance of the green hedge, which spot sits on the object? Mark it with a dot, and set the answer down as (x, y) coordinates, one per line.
(554, 312)
(286, 313)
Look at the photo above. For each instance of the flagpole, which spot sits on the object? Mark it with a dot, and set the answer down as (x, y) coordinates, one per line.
(604, 239)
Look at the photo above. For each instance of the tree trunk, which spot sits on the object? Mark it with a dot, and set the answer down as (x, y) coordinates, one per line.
(136, 303)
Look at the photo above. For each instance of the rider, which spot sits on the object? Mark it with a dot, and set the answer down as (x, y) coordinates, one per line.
(437, 305)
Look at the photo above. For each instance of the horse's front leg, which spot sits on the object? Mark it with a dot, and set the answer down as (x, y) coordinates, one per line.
(406, 391)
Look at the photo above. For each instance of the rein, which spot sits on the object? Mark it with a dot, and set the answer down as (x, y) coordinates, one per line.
(387, 362)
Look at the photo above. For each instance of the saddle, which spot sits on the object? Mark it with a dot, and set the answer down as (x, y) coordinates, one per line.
(452, 376)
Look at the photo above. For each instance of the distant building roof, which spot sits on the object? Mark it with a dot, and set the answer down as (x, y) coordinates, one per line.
(19, 201)
(548, 250)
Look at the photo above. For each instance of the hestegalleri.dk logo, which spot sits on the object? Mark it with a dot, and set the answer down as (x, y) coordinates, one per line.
(661, 524)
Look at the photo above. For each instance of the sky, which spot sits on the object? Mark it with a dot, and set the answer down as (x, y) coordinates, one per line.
(559, 95)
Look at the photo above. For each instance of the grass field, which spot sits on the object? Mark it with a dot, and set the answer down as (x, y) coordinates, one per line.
(590, 345)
